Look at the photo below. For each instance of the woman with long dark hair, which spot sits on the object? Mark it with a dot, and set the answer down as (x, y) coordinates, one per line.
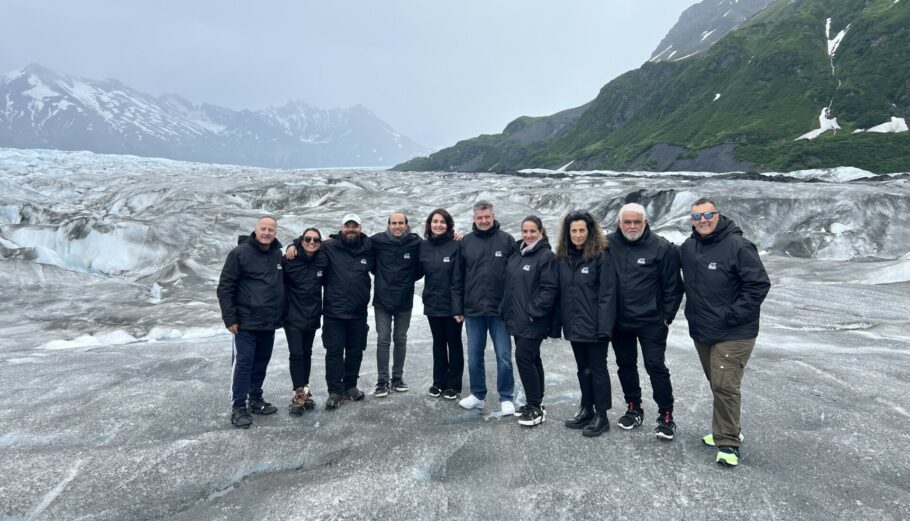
(587, 314)
(531, 288)
(303, 281)
(438, 257)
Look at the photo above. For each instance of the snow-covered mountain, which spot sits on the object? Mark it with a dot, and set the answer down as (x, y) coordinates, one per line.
(40, 108)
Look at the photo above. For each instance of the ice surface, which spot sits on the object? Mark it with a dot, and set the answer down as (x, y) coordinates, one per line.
(115, 362)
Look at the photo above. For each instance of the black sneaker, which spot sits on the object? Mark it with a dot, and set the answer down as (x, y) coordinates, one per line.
(434, 391)
(399, 386)
(382, 390)
(531, 416)
(354, 394)
(334, 401)
(584, 415)
(240, 417)
(262, 407)
(520, 410)
(450, 394)
(597, 426)
(632, 418)
(666, 428)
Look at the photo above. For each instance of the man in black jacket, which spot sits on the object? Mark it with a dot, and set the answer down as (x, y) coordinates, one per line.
(726, 284)
(397, 268)
(478, 285)
(347, 292)
(251, 296)
(650, 292)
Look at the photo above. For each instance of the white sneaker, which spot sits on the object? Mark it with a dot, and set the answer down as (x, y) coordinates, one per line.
(508, 408)
(472, 402)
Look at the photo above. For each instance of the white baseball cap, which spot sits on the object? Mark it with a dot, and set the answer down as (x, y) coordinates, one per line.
(351, 217)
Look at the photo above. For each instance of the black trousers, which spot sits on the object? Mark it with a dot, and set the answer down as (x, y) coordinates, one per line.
(530, 368)
(300, 349)
(344, 341)
(448, 352)
(252, 352)
(591, 359)
(653, 341)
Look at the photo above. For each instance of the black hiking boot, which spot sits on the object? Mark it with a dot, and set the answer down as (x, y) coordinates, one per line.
(584, 415)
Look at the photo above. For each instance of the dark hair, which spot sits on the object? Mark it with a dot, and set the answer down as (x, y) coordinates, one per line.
(537, 222)
(310, 229)
(705, 200)
(450, 223)
(595, 244)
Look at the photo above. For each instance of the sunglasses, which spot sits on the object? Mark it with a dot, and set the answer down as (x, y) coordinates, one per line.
(312, 239)
(707, 215)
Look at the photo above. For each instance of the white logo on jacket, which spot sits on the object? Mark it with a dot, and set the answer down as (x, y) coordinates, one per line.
(584, 270)
(446, 259)
(407, 255)
(319, 273)
(641, 260)
(526, 267)
(497, 254)
(712, 266)
(279, 266)
(363, 261)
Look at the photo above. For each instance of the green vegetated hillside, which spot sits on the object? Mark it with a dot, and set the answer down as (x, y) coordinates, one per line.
(738, 106)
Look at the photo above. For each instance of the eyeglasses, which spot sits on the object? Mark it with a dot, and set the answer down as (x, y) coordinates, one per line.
(707, 215)
(312, 239)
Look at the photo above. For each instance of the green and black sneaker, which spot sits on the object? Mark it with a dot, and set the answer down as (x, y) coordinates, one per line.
(727, 455)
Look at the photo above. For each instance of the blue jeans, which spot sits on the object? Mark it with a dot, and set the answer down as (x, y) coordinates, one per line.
(477, 328)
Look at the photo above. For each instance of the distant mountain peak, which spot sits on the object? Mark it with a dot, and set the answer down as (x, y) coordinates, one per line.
(46, 109)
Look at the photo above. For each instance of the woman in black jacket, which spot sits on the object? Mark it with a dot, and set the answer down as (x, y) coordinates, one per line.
(438, 257)
(587, 313)
(303, 281)
(531, 287)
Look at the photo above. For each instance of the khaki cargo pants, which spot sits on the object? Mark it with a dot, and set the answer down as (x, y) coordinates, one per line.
(724, 364)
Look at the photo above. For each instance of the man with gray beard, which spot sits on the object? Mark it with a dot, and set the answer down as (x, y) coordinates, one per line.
(650, 292)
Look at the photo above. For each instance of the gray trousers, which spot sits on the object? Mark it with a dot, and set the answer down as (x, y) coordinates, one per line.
(724, 364)
(385, 322)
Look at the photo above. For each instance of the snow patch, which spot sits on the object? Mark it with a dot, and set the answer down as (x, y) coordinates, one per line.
(716, 96)
(896, 125)
(825, 123)
(834, 43)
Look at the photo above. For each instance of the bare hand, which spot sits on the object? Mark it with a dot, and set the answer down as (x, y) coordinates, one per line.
(233, 329)
(458, 236)
(290, 252)
(459, 318)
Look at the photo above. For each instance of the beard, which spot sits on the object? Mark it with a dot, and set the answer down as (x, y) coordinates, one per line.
(632, 236)
(350, 238)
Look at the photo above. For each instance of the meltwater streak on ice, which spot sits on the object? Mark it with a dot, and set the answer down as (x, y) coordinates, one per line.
(100, 249)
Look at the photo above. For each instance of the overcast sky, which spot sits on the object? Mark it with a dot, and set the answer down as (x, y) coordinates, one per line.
(437, 71)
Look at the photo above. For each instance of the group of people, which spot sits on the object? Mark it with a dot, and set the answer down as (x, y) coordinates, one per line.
(624, 288)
